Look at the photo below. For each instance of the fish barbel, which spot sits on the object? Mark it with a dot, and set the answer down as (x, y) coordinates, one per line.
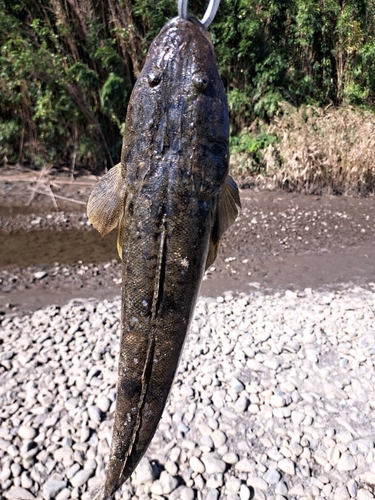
(172, 199)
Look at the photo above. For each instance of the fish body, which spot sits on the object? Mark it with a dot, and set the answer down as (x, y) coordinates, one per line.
(172, 199)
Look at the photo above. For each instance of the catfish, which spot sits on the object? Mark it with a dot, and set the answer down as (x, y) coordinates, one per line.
(172, 199)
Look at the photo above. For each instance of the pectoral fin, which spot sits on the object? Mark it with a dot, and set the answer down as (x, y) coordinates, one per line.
(106, 202)
(226, 212)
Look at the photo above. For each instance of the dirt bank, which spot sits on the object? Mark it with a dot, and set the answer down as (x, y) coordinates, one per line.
(281, 240)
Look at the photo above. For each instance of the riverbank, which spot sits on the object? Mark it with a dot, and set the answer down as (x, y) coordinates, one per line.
(280, 241)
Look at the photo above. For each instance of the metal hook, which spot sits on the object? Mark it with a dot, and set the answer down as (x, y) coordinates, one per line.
(208, 16)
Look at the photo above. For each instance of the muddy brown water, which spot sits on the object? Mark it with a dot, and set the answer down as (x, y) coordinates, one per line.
(280, 241)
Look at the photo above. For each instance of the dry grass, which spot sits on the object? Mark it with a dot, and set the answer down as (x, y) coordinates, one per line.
(320, 151)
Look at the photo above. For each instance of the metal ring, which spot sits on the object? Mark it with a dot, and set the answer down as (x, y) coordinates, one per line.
(208, 16)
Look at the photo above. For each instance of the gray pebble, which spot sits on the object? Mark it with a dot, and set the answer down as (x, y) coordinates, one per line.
(286, 465)
(272, 476)
(213, 464)
(85, 434)
(64, 494)
(39, 275)
(26, 432)
(245, 465)
(16, 469)
(5, 474)
(241, 404)
(233, 485)
(168, 482)
(281, 488)
(244, 492)
(187, 494)
(18, 493)
(212, 494)
(81, 477)
(197, 465)
(341, 493)
(72, 471)
(230, 458)
(218, 437)
(26, 482)
(52, 487)
(352, 487)
(236, 385)
(346, 462)
(257, 482)
(175, 495)
(362, 494)
(103, 403)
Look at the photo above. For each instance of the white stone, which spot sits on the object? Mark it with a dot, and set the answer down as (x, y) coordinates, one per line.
(94, 414)
(52, 487)
(39, 275)
(245, 465)
(244, 492)
(281, 488)
(197, 465)
(297, 417)
(26, 432)
(346, 462)
(272, 476)
(230, 458)
(277, 401)
(341, 493)
(18, 493)
(212, 494)
(218, 437)
(352, 487)
(81, 477)
(256, 366)
(257, 482)
(103, 403)
(368, 477)
(168, 482)
(213, 463)
(233, 484)
(286, 465)
(187, 494)
(362, 494)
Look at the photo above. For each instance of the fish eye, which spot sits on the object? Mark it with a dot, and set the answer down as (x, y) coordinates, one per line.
(200, 81)
(154, 77)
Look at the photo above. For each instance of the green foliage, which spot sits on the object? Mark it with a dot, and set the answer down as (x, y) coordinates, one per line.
(67, 68)
(254, 146)
(9, 133)
(113, 99)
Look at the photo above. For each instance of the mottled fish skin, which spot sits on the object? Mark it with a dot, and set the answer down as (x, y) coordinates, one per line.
(173, 199)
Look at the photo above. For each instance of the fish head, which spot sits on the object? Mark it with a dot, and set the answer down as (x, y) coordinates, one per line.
(181, 58)
(180, 99)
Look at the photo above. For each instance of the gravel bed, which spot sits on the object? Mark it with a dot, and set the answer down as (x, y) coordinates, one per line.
(60, 276)
(273, 400)
(57, 221)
